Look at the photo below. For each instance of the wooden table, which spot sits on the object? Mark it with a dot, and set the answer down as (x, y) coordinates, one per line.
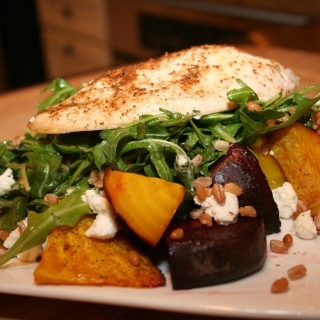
(17, 107)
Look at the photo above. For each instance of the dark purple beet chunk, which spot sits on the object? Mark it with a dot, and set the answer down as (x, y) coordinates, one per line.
(242, 167)
(207, 256)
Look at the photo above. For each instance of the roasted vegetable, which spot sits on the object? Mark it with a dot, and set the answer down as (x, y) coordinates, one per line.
(269, 164)
(72, 258)
(242, 167)
(66, 213)
(146, 204)
(211, 255)
(297, 149)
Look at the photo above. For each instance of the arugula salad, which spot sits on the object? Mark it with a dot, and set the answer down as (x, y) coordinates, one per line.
(158, 146)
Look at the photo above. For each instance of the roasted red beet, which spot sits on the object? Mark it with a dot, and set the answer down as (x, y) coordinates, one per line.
(207, 256)
(242, 167)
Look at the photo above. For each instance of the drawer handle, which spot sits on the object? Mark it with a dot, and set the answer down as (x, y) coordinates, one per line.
(68, 50)
(66, 12)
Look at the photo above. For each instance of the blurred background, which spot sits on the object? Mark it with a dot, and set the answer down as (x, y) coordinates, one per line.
(44, 39)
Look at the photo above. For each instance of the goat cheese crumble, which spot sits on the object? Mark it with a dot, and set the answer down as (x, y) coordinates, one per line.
(6, 182)
(104, 226)
(304, 227)
(30, 255)
(13, 236)
(181, 161)
(286, 199)
(224, 214)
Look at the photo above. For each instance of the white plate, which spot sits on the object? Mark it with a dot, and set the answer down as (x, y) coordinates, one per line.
(249, 297)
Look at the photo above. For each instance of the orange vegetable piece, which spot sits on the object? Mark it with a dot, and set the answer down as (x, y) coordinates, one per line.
(269, 166)
(297, 149)
(146, 204)
(71, 258)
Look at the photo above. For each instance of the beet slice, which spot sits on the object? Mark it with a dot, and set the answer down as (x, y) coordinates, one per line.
(242, 167)
(208, 256)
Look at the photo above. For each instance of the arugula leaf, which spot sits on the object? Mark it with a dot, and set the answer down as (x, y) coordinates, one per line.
(157, 149)
(5, 156)
(116, 139)
(204, 139)
(39, 146)
(14, 210)
(242, 95)
(74, 142)
(217, 117)
(48, 174)
(61, 89)
(67, 212)
(99, 154)
(223, 133)
(293, 95)
(83, 169)
(255, 124)
(191, 139)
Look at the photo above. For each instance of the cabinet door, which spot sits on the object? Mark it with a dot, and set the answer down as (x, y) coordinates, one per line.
(88, 17)
(66, 55)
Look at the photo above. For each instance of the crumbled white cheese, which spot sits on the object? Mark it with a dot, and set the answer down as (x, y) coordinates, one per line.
(13, 237)
(104, 226)
(6, 181)
(223, 214)
(182, 161)
(29, 255)
(304, 227)
(286, 199)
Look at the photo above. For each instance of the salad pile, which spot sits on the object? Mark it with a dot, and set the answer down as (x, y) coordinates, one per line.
(161, 146)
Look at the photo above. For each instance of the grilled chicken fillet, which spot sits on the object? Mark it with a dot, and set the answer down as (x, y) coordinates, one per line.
(196, 79)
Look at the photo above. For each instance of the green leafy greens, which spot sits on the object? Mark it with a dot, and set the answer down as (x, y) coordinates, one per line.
(162, 145)
(61, 89)
(67, 212)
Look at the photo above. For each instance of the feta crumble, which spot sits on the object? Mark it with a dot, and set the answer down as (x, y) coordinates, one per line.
(6, 182)
(104, 226)
(30, 255)
(224, 214)
(286, 199)
(13, 236)
(182, 161)
(304, 227)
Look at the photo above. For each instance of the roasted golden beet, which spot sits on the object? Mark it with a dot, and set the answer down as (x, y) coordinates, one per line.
(146, 204)
(269, 165)
(72, 258)
(297, 149)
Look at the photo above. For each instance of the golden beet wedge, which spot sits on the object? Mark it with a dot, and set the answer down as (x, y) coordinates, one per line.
(269, 165)
(146, 204)
(297, 149)
(71, 258)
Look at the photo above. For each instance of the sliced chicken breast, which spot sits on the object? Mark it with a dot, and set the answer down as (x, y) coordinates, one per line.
(194, 79)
